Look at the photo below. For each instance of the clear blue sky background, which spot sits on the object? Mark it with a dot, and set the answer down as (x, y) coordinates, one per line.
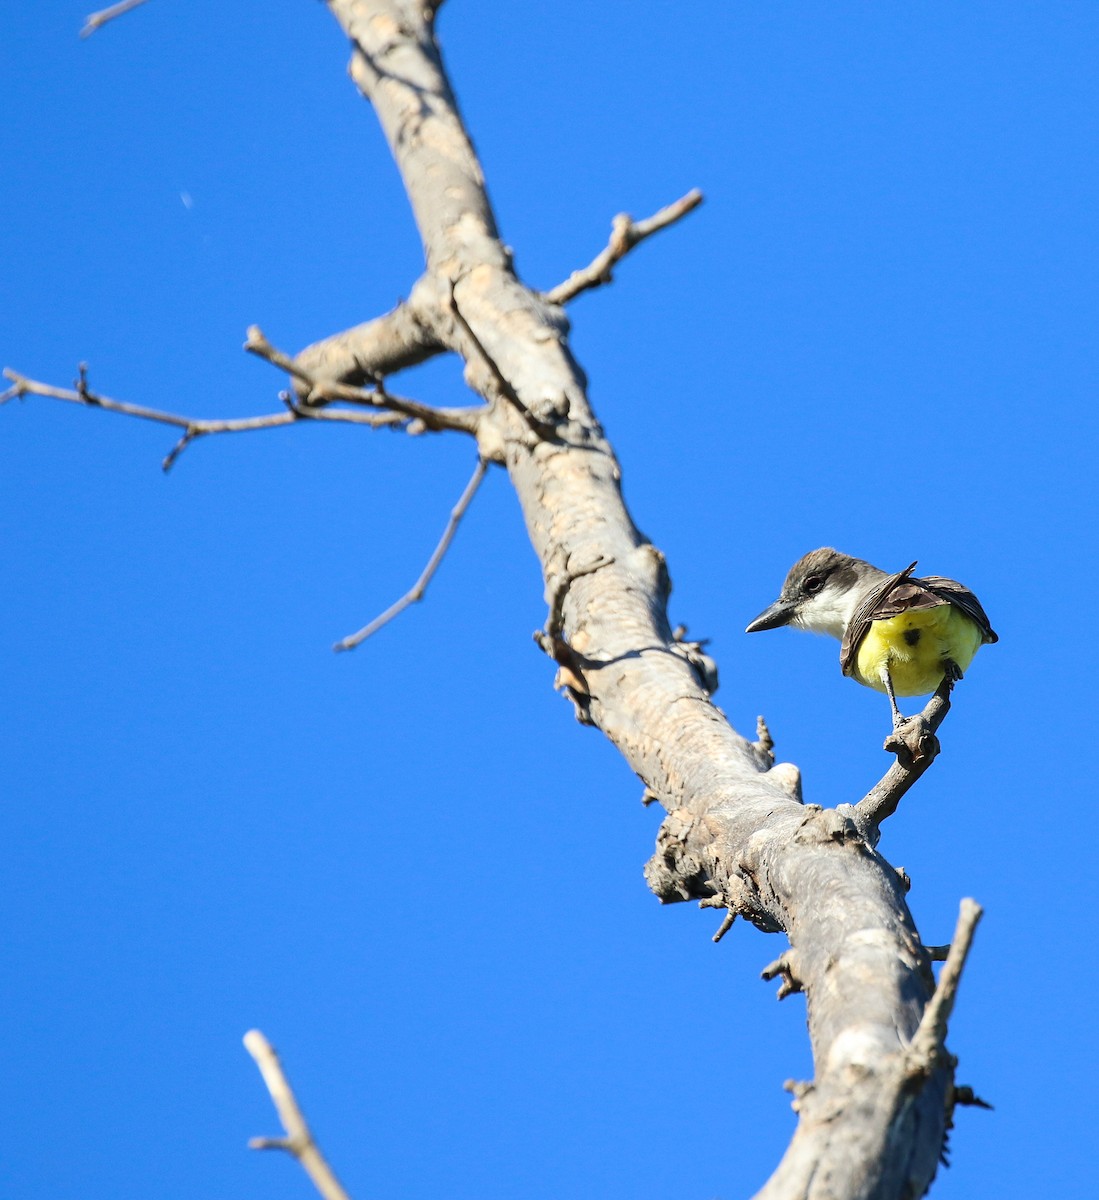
(409, 865)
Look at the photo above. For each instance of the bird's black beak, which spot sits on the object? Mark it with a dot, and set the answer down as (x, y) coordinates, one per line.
(780, 613)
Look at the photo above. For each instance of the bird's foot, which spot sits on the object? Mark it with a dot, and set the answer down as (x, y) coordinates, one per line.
(912, 741)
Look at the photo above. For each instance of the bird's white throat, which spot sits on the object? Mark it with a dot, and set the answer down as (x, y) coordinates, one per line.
(830, 611)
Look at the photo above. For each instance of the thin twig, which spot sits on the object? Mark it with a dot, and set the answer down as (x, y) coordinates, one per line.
(94, 20)
(420, 586)
(193, 427)
(725, 926)
(929, 1040)
(625, 234)
(463, 420)
(764, 742)
(299, 1138)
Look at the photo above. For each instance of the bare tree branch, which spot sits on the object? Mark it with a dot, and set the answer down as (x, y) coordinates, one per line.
(375, 349)
(394, 410)
(625, 234)
(95, 20)
(417, 590)
(193, 427)
(928, 1046)
(299, 1138)
(916, 750)
(461, 420)
(725, 926)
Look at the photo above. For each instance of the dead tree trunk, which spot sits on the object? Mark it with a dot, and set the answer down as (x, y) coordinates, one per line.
(737, 835)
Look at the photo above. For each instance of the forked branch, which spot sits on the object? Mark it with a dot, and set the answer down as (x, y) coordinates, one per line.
(318, 392)
(389, 410)
(882, 799)
(193, 427)
(299, 1139)
(625, 234)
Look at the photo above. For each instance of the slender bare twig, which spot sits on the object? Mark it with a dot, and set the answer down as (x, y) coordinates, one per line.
(625, 234)
(929, 1040)
(420, 586)
(764, 742)
(193, 427)
(462, 420)
(299, 1138)
(725, 926)
(94, 20)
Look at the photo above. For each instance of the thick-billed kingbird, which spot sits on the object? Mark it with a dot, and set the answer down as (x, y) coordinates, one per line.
(899, 634)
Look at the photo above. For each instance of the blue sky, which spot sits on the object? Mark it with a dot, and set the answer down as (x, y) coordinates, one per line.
(409, 866)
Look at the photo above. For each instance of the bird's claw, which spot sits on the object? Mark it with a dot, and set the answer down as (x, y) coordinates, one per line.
(951, 673)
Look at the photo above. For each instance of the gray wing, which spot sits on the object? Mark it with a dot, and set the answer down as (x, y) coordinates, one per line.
(902, 593)
(952, 592)
(874, 607)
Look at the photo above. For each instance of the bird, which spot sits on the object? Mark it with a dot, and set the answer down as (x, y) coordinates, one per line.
(899, 634)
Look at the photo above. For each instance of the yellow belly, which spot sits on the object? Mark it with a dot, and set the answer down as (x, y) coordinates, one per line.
(914, 646)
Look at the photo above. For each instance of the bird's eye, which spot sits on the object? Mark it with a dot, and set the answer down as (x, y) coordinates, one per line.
(813, 584)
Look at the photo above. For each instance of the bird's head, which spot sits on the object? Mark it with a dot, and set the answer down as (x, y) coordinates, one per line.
(821, 593)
